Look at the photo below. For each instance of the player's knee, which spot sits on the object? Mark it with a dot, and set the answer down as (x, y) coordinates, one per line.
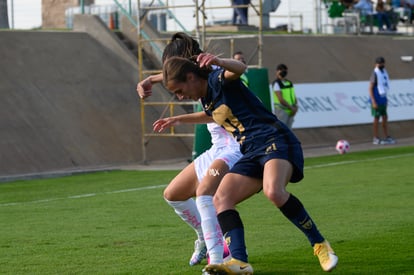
(171, 195)
(204, 190)
(277, 196)
(167, 195)
(218, 202)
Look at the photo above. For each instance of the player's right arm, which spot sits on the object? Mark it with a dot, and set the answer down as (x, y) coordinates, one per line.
(144, 87)
(233, 68)
(371, 95)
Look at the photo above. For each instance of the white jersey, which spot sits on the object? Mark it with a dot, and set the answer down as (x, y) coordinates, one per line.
(220, 137)
(225, 147)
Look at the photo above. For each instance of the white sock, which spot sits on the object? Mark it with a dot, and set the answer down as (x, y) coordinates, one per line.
(211, 228)
(188, 212)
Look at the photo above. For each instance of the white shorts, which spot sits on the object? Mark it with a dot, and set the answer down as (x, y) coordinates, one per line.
(230, 155)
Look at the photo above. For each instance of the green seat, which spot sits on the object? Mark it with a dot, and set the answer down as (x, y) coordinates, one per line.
(367, 20)
(336, 9)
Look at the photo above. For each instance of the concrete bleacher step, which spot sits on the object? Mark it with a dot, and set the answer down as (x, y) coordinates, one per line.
(128, 43)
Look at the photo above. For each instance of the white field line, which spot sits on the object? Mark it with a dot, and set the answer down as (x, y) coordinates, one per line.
(162, 186)
(358, 161)
(83, 195)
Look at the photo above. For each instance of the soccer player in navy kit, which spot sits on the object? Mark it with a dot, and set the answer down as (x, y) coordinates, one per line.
(272, 155)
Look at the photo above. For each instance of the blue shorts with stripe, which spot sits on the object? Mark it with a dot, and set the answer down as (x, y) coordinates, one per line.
(282, 144)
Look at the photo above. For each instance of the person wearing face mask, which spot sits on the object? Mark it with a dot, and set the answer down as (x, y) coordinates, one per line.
(284, 98)
(379, 85)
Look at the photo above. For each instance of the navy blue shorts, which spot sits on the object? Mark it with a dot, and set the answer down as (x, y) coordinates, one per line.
(282, 145)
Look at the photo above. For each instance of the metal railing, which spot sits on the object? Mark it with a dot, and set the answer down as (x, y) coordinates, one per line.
(136, 18)
(200, 32)
(298, 17)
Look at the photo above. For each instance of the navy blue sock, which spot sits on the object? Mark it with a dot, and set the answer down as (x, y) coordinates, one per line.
(294, 210)
(233, 232)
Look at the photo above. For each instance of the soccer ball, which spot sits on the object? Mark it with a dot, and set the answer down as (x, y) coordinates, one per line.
(226, 254)
(342, 146)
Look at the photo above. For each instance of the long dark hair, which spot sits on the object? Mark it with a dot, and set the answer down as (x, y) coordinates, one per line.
(181, 45)
(176, 69)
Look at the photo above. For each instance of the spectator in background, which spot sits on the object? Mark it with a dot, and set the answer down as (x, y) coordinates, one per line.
(403, 8)
(284, 98)
(347, 3)
(378, 87)
(240, 57)
(393, 13)
(365, 7)
(408, 6)
(240, 14)
(382, 16)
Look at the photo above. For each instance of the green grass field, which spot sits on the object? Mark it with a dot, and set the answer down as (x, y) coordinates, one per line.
(118, 223)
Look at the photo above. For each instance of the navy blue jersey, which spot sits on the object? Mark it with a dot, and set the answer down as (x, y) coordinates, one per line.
(233, 106)
(261, 135)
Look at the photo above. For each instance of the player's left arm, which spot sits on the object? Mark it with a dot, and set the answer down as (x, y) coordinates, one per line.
(193, 118)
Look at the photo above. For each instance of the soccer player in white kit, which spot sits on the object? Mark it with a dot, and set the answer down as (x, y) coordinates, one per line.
(200, 178)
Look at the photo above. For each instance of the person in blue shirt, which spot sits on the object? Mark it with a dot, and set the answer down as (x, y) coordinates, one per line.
(272, 155)
(378, 88)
